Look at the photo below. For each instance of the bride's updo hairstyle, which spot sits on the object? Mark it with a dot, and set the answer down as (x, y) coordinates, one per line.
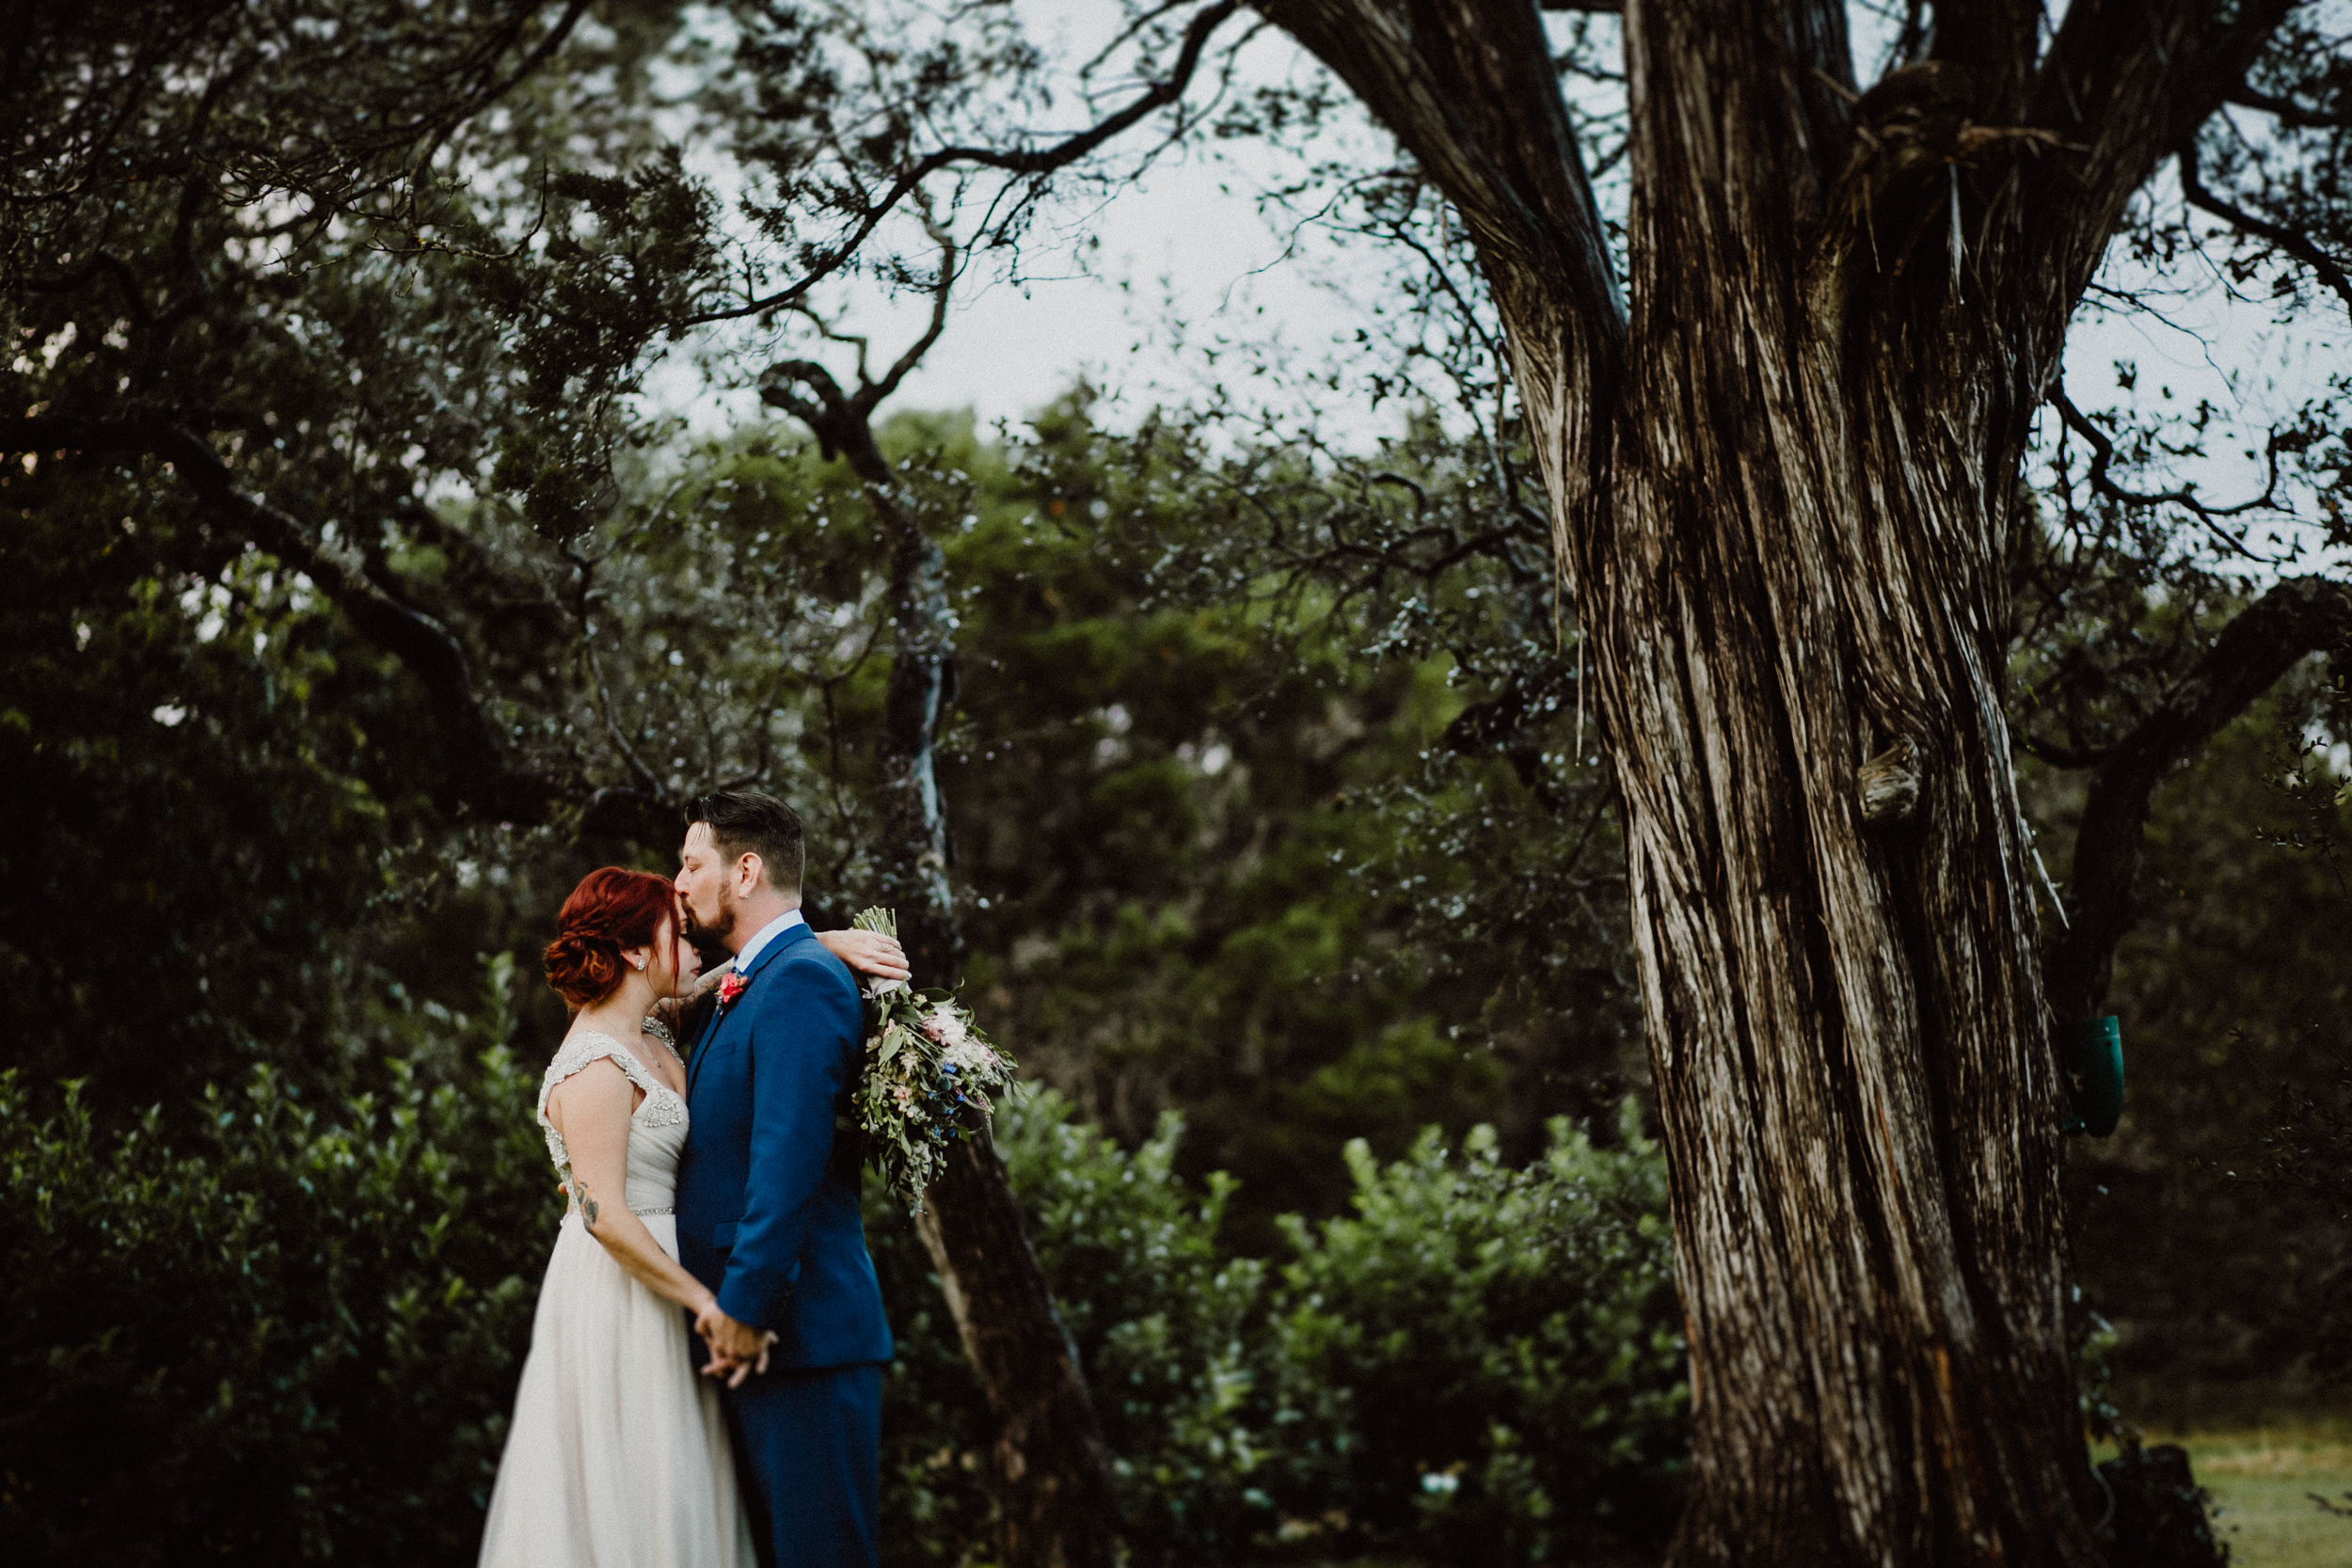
(610, 911)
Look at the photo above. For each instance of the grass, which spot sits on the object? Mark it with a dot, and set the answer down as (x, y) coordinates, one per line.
(2262, 1452)
(2261, 1455)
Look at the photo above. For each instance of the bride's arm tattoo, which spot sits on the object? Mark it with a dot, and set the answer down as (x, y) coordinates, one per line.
(586, 1204)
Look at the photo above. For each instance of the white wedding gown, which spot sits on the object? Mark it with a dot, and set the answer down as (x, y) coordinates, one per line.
(618, 1454)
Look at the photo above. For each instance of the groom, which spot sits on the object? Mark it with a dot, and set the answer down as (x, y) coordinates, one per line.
(763, 1217)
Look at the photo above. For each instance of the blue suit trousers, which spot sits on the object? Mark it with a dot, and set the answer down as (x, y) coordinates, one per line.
(808, 1460)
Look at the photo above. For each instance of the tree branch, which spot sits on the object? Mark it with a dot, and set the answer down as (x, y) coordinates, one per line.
(2299, 617)
(1468, 90)
(474, 770)
(134, 300)
(870, 394)
(2124, 81)
(915, 841)
(2286, 111)
(2297, 245)
(1027, 162)
(2103, 457)
(2059, 756)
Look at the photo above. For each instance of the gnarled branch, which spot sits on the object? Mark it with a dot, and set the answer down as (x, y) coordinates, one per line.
(2126, 81)
(2294, 244)
(475, 771)
(2286, 111)
(1468, 90)
(1025, 162)
(2299, 617)
(2104, 484)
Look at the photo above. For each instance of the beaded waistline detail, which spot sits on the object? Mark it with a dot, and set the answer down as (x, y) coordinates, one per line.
(645, 1211)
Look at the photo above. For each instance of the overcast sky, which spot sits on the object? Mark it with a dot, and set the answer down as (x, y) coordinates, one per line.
(1187, 242)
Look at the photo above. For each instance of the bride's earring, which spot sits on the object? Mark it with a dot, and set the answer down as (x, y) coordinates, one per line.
(636, 963)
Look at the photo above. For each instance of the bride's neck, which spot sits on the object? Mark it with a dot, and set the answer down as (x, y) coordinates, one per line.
(622, 1015)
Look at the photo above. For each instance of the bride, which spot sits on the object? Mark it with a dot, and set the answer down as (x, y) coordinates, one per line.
(618, 1455)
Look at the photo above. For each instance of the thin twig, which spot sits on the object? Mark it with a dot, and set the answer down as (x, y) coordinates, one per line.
(2294, 244)
(2103, 456)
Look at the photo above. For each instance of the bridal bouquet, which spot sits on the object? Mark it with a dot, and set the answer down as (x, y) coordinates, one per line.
(927, 1080)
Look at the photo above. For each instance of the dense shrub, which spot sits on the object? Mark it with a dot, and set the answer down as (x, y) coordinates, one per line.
(1171, 1335)
(1481, 1365)
(285, 1332)
(289, 1333)
(1165, 1330)
(1485, 1365)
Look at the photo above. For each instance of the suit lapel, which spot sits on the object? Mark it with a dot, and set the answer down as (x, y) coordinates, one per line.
(760, 960)
(705, 1041)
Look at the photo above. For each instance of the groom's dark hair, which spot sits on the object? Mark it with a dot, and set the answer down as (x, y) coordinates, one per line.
(745, 822)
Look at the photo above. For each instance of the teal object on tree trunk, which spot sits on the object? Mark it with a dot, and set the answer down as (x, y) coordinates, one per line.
(2090, 1051)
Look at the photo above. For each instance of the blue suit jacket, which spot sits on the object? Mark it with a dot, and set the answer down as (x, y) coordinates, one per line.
(762, 1219)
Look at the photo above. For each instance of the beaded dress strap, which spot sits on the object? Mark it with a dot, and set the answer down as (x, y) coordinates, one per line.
(663, 1106)
(661, 1032)
(593, 1046)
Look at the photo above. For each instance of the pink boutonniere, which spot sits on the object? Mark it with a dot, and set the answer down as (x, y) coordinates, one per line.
(730, 986)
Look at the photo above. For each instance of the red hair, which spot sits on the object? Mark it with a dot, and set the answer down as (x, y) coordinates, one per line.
(610, 910)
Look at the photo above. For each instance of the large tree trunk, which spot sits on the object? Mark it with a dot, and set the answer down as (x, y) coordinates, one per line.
(1799, 568)
(1783, 486)
(1053, 1470)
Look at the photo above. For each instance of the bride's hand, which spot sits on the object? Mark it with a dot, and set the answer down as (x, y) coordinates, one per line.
(712, 1324)
(738, 1350)
(869, 953)
(708, 1319)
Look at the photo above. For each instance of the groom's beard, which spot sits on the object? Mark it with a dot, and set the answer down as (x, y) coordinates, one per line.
(717, 930)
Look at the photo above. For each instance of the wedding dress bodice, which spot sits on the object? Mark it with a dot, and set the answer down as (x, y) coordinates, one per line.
(657, 1128)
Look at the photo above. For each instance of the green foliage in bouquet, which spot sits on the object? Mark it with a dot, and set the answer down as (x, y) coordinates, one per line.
(928, 1077)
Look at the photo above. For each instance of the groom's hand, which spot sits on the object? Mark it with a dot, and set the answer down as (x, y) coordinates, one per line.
(737, 1349)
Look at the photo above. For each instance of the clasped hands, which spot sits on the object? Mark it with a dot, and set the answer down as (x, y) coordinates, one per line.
(737, 1349)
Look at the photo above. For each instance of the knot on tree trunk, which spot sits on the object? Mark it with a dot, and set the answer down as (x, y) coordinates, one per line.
(1914, 115)
(1912, 133)
(1890, 784)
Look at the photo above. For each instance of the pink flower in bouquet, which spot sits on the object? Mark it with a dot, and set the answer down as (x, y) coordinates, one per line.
(945, 1026)
(903, 1095)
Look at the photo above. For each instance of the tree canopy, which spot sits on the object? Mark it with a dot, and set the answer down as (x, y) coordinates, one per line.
(1743, 545)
